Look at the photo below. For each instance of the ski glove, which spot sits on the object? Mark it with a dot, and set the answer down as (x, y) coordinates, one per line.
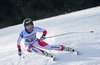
(42, 37)
(19, 52)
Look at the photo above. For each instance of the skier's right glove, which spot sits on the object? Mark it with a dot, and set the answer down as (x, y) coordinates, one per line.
(19, 52)
(42, 37)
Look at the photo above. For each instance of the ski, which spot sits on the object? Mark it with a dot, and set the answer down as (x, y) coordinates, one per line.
(76, 53)
(54, 59)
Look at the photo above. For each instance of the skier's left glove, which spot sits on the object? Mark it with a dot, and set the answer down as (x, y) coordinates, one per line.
(19, 52)
(42, 37)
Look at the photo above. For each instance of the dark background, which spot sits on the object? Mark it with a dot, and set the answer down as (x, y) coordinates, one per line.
(13, 12)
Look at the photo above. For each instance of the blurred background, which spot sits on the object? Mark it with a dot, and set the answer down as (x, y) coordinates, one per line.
(12, 12)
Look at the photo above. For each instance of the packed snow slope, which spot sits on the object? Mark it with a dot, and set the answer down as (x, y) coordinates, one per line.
(81, 22)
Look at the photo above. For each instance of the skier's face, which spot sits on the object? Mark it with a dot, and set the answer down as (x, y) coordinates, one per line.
(29, 28)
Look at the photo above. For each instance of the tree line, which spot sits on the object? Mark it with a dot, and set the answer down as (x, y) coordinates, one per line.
(13, 12)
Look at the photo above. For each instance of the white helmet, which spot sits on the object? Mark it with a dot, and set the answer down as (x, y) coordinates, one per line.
(28, 23)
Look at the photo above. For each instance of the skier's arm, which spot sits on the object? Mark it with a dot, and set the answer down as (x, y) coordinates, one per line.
(41, 30)
(44, 33)
(18, 43)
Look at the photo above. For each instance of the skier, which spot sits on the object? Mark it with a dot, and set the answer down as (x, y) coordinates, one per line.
(34, 44)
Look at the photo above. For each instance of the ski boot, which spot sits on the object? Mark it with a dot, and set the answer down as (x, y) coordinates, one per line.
(70, 50)
(50, 56)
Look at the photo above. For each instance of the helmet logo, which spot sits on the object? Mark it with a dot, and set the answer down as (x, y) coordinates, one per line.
(27, 22)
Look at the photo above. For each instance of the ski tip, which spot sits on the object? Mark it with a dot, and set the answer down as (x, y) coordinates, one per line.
(54, 59)
(76, 53)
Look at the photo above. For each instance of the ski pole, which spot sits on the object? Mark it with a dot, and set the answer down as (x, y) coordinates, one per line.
(67, 34)
(23, 55)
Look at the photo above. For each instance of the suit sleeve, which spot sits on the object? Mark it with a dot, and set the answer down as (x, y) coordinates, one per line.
(19, 40)
(41, 30)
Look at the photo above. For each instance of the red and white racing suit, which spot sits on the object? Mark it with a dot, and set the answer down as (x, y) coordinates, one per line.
(33, 44)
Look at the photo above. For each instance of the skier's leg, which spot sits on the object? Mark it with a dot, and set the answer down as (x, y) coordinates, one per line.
(50, 47)
(55, 47)
(34, 49)
(59, 48)
(39, 51)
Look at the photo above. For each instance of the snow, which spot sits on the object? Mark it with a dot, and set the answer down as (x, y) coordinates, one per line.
(88, 44)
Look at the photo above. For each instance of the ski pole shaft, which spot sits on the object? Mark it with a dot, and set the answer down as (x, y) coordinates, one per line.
(67, 34)
(23, 55)
(58, 35)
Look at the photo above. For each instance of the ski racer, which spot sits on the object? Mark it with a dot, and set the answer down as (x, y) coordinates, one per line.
(34, 44)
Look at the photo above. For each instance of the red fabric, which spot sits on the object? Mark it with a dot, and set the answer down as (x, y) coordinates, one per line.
(44, 32)
(42, 43)
(28, 50)
(18, 46)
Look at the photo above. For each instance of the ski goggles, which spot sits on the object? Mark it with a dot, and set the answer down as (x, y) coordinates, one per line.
(30, 26)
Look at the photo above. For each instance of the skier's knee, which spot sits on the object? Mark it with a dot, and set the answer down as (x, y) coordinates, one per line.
(29, 48)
